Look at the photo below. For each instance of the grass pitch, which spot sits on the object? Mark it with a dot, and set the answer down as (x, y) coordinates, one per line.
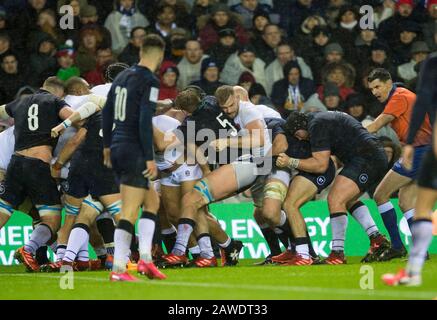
(244, 281)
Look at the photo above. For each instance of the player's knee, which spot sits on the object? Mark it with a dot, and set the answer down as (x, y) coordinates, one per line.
(275, 190)
(49, 211)
(91, 208)
(336, 203)
(405, 204)
(201, 191)
(381, 197)
(71, 210)
(5, 208)
(114, 208)
(271, 215)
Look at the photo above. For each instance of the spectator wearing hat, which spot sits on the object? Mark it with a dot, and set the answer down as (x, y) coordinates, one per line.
(302, 38)
(247, 8)
(131, 53)
(293, 13)
(89, 40)
(334, 56)
(210, 74)
(244, 60)
(363, 43)
(260, 19)
(226, 46)
(409, 32)
(258, 95)
(202, 8)
(221, 17)
(121, 21)
(342, 75)
(419, 52)
(168, 77)
(275, 70)
(331, 97)
(246, 80)
(176, 48)
(291, 92)
(348, 30)
(42, 62)
(46, 26)
(11, 77)
(429, 27)
(405, 10)
(190, 65)
(89, 18)
(96, 76)
(66, 58)
(266, 47)
(315, 56)
(380, 57)
(313, 104)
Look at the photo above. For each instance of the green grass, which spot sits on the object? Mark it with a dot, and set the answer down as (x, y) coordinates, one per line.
(242, 282)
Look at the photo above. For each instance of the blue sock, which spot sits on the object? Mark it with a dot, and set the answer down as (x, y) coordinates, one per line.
(388, 215)
(409, 215)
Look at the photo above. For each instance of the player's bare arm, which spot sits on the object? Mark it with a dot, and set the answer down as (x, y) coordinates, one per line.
(67, 152)
(318, 163)
(254, 138)
(381, 121)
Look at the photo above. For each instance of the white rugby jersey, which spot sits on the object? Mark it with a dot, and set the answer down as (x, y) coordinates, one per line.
(167, 159)
(7, 143)
(248, 113)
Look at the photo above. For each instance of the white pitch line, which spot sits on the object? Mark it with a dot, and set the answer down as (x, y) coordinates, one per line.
(332, 291)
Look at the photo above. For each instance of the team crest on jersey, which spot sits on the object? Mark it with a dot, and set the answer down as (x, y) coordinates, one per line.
(187, 173)
(363, 178)
(2, 188)
(321, 180)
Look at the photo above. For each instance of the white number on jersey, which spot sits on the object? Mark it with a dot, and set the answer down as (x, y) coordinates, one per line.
(120, 103)
(225, 123)
(32, 117)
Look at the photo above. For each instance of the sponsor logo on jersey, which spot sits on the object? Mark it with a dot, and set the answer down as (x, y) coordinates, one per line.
(321, 180)
(363, 178)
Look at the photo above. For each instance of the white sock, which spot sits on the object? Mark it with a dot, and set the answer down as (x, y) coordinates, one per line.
(83, 254)
(303, 250)
(146, 229)
(195, 250)
(60, 251)
(409, 214)
(338, 226)
(204, 242)
(39, 237)
(77, 242)
(422, 237)
(122, 240)
(226, 243)
(362, 215)
(185, 228)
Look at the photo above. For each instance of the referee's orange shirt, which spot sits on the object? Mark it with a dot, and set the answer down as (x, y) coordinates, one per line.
(400, 106)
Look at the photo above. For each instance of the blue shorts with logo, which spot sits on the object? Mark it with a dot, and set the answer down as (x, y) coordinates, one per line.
(419, 153)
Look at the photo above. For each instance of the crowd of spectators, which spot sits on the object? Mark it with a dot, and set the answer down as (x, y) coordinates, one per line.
(310, 55)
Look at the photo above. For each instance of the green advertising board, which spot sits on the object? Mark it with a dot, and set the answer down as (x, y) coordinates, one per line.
(237, 220)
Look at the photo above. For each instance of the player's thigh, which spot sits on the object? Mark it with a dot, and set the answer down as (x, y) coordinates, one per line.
(391, 183)
(407, 196)
(426, 199)
(343, 190)
(300, 191)
(222, 182)
(171, 200)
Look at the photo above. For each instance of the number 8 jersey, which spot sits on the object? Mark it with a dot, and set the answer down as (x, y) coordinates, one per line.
(34, 117)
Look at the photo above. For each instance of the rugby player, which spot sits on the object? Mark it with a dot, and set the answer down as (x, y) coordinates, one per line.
(205, 113)
(421, 228)
(28, 173)
(364, 162)
(229, 178)
(397, 112)
(129, 149)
